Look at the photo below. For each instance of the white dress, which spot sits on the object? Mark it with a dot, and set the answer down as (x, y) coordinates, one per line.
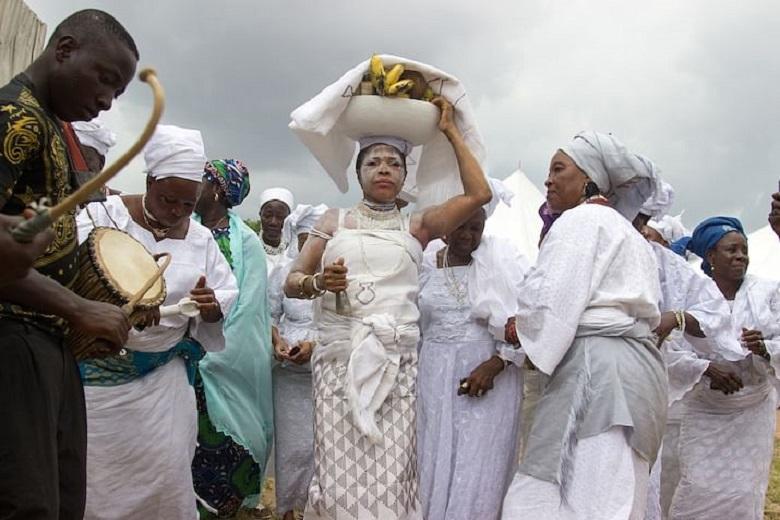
(364, 370)
(726, 441)
(683, 287)
(141, 435)
(293, 406)
(586, 312)
(466, 445)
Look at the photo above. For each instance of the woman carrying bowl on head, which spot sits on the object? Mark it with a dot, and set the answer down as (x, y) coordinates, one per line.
(365, 362)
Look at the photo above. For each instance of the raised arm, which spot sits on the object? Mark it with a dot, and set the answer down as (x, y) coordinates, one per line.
(439, 220)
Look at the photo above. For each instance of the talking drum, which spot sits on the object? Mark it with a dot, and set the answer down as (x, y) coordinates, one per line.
(115, 268)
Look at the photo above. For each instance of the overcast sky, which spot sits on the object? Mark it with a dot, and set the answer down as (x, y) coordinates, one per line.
(691, 84)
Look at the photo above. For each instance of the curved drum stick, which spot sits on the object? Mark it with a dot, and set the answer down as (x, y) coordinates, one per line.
(26, 230)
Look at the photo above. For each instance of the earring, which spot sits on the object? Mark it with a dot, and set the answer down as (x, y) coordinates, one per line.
(216, 197)
(591, 189)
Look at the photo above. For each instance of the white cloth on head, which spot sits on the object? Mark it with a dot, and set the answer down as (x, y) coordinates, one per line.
(175, 152)
(435, 178)
(658, 205)
(671, 228)
(281, 194)
(94, 134)
(402, 145)
(626, 179)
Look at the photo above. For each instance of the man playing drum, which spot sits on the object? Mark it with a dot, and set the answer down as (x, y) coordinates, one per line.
(87, 63)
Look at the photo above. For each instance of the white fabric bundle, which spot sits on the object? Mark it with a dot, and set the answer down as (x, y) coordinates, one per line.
(301, 220)
(94, 134)
(175, 152)
(659, 204)
(626, 179)
(436, 176)
(671, 228)
(501, 193)
(494, 278)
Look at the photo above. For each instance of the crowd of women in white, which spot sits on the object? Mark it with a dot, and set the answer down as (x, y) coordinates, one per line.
(400, 358)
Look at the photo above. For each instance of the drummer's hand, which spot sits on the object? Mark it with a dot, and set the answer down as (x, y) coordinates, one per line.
(447, 117)
(210, 311)
(334, 276)
(146, 318)
(102, 320)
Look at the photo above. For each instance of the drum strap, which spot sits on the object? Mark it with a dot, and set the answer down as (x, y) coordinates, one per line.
(119, 370)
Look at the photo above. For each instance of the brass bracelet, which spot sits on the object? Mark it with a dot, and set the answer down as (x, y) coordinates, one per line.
(301, 286)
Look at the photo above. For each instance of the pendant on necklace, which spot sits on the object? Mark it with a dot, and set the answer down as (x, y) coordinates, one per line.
(367, 293)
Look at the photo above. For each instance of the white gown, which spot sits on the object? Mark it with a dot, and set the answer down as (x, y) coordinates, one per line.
(141, 435)
(466, 445)
(726, 441)
(586, 311)
(683, 287)
(293, 406)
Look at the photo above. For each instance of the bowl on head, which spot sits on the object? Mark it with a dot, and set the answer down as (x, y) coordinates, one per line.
(410, 119)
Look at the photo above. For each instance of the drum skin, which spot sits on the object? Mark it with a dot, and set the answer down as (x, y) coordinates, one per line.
(113, 266)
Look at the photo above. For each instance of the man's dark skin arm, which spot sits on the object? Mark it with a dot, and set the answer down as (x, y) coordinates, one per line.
(98, 319)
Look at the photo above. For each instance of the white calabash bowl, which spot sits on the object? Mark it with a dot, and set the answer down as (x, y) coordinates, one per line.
(410, 119)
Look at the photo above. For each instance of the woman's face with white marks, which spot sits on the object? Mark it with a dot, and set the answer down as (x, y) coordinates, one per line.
(382, 173)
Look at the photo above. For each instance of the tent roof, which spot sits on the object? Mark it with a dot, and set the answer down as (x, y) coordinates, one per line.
(764, 250)
(520, 223)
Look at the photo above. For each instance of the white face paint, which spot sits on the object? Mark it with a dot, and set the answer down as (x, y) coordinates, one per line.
(382, 173)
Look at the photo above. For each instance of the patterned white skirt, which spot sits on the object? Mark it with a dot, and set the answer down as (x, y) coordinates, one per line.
(354, 479)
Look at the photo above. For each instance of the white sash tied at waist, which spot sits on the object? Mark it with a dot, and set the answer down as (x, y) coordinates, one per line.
(372, 348)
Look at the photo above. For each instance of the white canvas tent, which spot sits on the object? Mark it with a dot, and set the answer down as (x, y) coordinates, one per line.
(520, 223)
(764, 250)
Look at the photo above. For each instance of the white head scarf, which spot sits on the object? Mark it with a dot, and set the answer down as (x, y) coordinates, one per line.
(402, 145)
(175, 152)
(281, 194)
(94, 134)
(670, 228)
(624, 178)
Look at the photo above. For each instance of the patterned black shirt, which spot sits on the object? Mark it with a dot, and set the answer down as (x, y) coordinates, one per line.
(34, 166)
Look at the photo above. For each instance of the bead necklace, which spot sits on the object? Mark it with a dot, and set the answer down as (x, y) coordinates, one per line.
(274, 250)
(376, 217)
(458, 288)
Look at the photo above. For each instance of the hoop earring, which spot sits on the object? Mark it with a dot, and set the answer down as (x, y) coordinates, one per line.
(591, 189)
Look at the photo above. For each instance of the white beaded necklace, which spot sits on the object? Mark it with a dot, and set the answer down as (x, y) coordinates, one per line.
(458, 288)
(274, 250)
